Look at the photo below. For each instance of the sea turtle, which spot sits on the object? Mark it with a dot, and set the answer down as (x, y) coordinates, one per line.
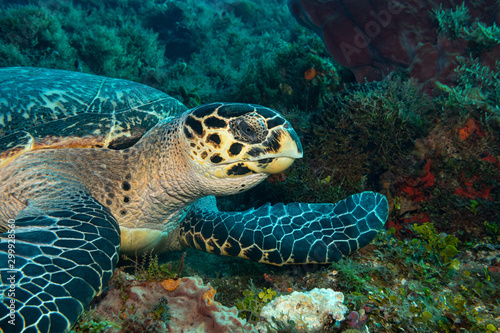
(90, 166)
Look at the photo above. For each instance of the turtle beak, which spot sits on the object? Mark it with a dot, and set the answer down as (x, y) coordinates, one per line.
(278, 165)
(290, 149)
(281, 149)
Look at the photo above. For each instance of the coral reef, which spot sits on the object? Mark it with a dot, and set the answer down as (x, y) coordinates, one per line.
(435, 156)
(186, 306)
(406, 286)
(32, 34)
(375, 38)
(307, 311)
(194, 50)
(299, 75)
(454, 176)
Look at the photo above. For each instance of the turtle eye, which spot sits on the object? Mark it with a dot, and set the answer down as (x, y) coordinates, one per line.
(247, 130)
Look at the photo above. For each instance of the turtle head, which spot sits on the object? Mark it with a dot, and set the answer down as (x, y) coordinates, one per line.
(239, 143)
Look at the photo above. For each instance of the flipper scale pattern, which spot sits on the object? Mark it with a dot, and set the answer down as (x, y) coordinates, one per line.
(297, 233)
(63, 259)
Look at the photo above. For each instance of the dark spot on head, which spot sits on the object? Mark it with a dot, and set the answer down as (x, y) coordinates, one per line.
(214, 122)
(239, 170)
(192, 144)
(109, 202)
(266, 160)
(128, 176)
(126, 186)
(215, 138)
(234, 110)
(256, 152)
(265, 112)
(126, 199)
(111, 195)
(204, 155)
(195, 125)
(205, 110)
(216, 159)
(276, 121)
(235, 148)
(273, 144)
(123, 212)
(107, 188)
(187, 133)
(125, 156)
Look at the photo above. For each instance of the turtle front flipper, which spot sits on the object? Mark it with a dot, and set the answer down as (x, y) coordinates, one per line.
(297, 233)
(52, 264)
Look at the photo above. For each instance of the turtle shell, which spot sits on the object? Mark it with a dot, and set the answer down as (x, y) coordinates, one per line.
(48, 108)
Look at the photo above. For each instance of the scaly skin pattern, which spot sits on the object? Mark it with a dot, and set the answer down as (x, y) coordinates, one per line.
(59, 252)
(103, 166)
(297, 233)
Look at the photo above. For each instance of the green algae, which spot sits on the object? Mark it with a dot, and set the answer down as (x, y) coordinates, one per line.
(457, 23)
(438, 246)
(250, 306)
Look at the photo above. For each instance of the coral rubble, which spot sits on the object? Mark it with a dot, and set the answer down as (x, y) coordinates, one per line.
(309, 311)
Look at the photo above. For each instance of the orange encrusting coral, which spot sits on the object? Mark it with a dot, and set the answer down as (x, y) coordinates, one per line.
(209, 295)
(170, 284)
(310, 74)
(470, 127)
(415, 187)
(468, 189)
